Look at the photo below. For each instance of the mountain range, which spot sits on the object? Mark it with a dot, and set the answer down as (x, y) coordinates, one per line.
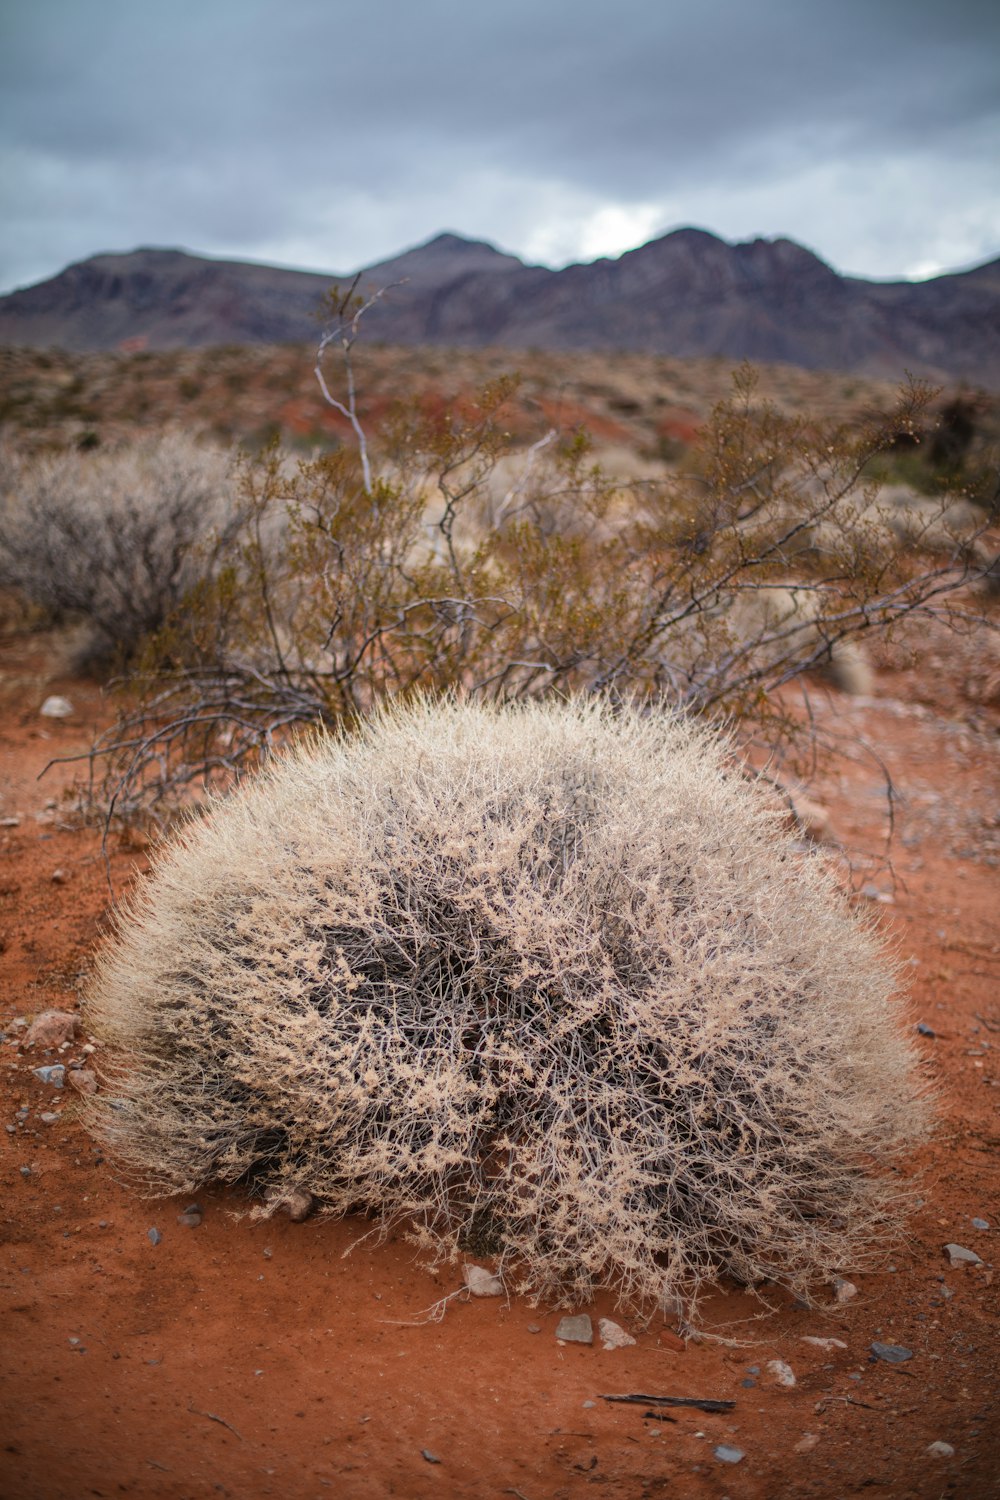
(685, 294)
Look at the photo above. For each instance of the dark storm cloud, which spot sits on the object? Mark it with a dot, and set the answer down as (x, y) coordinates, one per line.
(329, 135)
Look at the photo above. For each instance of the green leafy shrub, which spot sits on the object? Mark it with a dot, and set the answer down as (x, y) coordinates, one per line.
(548, 980)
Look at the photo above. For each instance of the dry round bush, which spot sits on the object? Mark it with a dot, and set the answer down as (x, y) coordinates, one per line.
(548, 982)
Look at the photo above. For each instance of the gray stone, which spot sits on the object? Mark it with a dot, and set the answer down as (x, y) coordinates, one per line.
(49, 1117)
(191, 1217)
(925, 1030)
(613, 1335)
(957, 1254)
(728, 1455)
(893, 1354)
(941, 1450)
(980, 1224)
(53, 1073)
(844, 1291)
(481, 1282)
(576, 1330)
(153, 1236)
(55, 707)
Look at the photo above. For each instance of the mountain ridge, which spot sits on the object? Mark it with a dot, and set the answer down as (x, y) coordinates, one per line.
(688, 293)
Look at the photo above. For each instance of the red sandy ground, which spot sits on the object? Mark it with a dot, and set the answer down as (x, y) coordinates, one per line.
(252, 1359)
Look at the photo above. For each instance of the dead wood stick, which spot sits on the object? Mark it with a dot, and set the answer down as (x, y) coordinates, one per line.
(702, 1405)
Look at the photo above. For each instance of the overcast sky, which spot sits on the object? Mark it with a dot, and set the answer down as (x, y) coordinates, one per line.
(328, 135)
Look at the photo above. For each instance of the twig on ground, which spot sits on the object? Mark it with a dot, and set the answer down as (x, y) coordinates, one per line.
(213, 1418)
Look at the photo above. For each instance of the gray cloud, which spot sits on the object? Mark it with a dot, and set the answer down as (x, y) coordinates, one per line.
(329, 136)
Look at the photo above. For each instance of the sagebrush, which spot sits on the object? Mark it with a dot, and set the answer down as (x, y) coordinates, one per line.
(118, 539)
(545, 981)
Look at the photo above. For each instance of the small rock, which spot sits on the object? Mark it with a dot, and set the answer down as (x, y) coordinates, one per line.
(10, 822)
(783, 1374)
(806, 1443)
(295, 1202)
(727, 1455)
(668, 1339)
(613, 1335)
(818, 1343)
(577, 1330)
(980, 1224)
(191, 1217)
(49, 1117)
(25, 1171)
(51, 1028)
(84, 1080)
(872, 893)
(925, 1030)
(59, 877)
(893, 1354)
(56, 708)
(481, 1282)
(940, 1450)
(844, 1291)
(153, 1236)
(749, 1383)
(534, 1328)
(431, 1458)
(957, 1254)
(53, 1073)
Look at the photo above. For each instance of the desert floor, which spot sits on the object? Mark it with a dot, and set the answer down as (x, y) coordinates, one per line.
(249, 1358)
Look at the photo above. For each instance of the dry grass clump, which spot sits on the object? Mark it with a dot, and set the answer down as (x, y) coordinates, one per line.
(547, 981)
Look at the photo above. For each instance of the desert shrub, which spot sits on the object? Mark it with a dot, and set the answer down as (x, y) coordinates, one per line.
(118, 538)
(425, 559)
(543, 980)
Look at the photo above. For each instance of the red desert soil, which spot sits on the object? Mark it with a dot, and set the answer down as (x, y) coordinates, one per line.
(252, 1358)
